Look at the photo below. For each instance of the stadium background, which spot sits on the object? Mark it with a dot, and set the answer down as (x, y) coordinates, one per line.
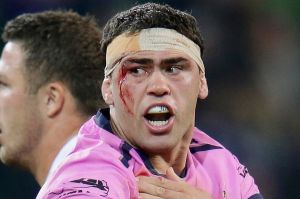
(253, 66)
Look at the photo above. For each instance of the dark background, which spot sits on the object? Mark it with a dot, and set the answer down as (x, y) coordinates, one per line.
(252, 61)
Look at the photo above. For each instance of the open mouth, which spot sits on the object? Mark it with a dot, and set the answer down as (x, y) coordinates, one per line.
(158, 115)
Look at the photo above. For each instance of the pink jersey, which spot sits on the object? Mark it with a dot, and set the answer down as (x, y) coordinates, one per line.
(104, 166)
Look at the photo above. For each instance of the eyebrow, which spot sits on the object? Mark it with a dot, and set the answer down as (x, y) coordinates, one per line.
(164, 61)
(174, 60)
(140, 60)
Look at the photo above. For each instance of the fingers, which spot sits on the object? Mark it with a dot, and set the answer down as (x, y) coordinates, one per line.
(148, 196)
(155, 191)
(161, 188)
(172, 187)
(171, 175)
(151, 185)
(161, 182)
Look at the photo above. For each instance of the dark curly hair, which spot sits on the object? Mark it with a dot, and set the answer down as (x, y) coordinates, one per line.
(151, 15)
(61, 46)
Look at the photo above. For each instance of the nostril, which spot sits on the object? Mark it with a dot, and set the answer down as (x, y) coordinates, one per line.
(159, 90)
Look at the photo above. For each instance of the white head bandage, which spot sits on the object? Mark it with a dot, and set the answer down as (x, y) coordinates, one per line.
(155, 39)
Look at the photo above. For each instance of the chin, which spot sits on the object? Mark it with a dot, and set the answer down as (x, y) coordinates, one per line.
(158, 148)
(7, 158)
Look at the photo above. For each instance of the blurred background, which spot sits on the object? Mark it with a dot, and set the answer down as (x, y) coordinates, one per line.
(252, 60)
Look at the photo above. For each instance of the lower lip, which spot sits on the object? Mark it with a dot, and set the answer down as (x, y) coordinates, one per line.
(164, 129)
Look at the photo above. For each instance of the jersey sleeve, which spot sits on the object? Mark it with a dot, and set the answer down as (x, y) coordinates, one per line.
(92, 175)
(97, 185)
(249, 189)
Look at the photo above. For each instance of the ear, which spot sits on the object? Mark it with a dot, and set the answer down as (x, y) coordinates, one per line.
(107, 91)
(54, 98)
(203, 89)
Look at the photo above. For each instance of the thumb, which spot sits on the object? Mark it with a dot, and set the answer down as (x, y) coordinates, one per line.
(171, 175)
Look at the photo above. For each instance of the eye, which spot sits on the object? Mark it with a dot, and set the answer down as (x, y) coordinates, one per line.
(2, 84)
(137, 71)
(174, 69)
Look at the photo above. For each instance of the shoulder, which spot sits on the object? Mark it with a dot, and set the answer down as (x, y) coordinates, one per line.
(215, 154)
(200, 137)
(222, 165)
(93, 169)
(92, 172)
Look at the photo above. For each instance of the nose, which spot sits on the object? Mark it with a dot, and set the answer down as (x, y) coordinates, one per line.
(158, 84)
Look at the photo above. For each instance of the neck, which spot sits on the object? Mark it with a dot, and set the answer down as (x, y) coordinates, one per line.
(50, 145)
(176, 159)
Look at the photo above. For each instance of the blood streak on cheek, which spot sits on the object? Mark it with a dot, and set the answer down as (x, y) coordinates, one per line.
(124, 91)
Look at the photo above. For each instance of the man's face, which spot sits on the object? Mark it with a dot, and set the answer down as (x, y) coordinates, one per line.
(19, 113)
(152, 97)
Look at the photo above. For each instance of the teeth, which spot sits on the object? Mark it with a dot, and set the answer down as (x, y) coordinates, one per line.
(158, 109)
(158, 123)
(158, 116)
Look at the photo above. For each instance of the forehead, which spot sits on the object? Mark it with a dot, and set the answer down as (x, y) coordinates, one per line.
(12, 66)
(12, 56)
(157, 56)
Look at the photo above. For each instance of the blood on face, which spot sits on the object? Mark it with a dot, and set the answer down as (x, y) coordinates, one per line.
(125, 93)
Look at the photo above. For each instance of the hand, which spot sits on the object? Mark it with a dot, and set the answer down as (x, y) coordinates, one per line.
(171, 187)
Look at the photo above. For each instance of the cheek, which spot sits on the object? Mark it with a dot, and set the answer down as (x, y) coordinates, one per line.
(187, 93)
(10, 109)
(12, 137)
(12, 101)
(191, 86)
(126, 93)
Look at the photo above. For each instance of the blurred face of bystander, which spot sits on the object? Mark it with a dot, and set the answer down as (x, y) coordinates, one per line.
(19, 111)
(152, 97)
